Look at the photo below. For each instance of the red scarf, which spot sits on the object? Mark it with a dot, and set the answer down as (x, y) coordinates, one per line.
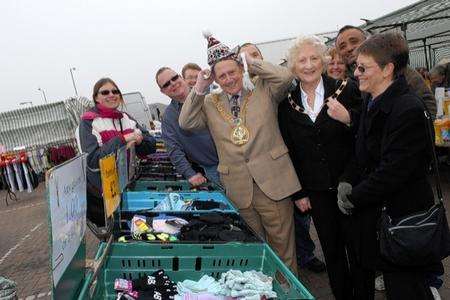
(106, 112)
(102, 111)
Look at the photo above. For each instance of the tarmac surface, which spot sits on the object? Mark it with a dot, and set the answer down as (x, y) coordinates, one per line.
(24, 247)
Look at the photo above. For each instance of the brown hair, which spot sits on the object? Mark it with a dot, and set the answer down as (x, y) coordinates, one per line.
(387, 48)
(332, 52)
(248, 44)
(160, 70)
(101, 83)
(190, 66)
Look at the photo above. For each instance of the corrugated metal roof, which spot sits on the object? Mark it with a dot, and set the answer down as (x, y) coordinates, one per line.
(426, 25)
(424, 20)
(40, 125)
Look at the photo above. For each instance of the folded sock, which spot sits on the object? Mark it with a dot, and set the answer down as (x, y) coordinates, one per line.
(157, 281)
(207, 205)
(206, 284)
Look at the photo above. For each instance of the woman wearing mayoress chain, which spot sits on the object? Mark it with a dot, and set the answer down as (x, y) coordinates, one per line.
(103, 130)
(315, 122)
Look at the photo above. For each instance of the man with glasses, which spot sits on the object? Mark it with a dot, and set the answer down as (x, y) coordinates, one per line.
(190, 72)
(184, 146)
(348, 40)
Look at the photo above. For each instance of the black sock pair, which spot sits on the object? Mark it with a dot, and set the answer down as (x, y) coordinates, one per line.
(156, 286)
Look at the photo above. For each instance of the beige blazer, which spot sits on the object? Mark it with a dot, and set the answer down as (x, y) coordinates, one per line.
(264, 158)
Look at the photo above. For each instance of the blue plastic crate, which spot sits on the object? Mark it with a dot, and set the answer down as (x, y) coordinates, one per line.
(143, 200)
(145, 184)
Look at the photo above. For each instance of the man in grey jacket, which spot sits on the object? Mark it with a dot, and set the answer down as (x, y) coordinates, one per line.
(185, 147)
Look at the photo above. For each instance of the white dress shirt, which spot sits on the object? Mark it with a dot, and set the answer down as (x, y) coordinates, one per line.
(312, 112)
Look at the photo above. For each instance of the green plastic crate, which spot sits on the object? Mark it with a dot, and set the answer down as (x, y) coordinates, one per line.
(174, 186)
(191, 261)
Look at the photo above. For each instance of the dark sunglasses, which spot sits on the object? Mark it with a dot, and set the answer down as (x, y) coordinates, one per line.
(173, 79)
(361, 69)
(106, 92)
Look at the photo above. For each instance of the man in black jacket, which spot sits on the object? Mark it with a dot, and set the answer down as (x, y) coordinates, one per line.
(347, 42)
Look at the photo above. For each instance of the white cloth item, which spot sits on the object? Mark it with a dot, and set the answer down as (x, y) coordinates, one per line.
(173, 202)
(202, 296)
(168, 224)
(139, 225)
(250, 285)
(379, 283)
(17, 171)
(206, 284)
(246, 81)
(27, 178)
(11, 180)
(435, 293)
(312, 112)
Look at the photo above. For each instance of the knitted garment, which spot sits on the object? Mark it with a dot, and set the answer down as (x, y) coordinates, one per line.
(249, 285)
(109, 123)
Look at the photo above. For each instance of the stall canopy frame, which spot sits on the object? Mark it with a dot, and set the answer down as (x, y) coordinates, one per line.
(426, 26)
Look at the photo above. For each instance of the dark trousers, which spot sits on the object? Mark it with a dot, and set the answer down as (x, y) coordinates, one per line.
(304, 245)
(407, 286)
(330, 229)
(95, 209)
(363, 278)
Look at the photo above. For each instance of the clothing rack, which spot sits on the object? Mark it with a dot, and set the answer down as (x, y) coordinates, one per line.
(38, 154)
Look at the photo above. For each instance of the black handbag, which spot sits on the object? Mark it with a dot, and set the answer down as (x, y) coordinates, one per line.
(418, 239)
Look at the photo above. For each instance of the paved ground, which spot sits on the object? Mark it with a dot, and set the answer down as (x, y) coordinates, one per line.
(24, 251)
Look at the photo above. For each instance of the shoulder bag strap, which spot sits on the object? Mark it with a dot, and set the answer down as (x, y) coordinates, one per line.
(431, 148)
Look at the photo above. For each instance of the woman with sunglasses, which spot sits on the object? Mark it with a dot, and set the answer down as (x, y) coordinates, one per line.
(316, 123)
(103, 130)
(392, 159)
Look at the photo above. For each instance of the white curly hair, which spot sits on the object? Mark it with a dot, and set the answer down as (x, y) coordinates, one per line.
(299, 43)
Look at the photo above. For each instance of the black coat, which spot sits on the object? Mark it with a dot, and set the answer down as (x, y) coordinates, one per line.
(319, 150)
(392, 159)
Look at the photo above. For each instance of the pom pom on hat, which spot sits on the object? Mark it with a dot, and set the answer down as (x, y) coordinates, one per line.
(206, 33)
(216, 50)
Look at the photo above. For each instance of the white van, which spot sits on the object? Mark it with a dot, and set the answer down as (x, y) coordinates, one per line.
(136, 107)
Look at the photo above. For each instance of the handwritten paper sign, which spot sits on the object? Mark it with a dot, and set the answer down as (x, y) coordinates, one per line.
(66, 190)
(122, 168)
(110, 184)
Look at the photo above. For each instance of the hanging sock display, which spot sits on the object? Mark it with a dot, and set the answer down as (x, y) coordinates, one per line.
(11, 176)
(18, 174)
(23, 160)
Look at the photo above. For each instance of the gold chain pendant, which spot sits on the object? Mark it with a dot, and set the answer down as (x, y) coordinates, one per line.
(239, 134)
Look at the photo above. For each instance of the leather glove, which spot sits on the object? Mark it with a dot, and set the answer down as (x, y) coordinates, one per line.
(344, 190)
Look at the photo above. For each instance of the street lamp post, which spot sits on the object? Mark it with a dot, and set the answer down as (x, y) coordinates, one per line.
(43, 94)
(73, 80)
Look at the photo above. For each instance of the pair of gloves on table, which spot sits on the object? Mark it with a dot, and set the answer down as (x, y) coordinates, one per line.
(344, 190)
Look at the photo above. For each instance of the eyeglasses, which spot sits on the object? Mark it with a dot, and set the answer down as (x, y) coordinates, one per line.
(362, 69)
(106, 92)
(173, 79)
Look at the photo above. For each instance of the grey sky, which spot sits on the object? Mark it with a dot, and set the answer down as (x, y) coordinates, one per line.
(129, 40)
